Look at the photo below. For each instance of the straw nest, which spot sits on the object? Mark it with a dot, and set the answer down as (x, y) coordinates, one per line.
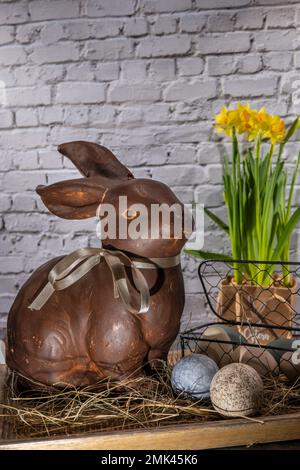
(139, 403)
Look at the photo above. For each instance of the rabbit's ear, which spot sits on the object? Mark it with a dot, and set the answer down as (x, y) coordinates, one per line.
(92, 159)
(75, 199)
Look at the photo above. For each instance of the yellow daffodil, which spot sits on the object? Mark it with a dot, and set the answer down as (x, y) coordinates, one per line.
(250, 122)
(276, 129)
(225, 121)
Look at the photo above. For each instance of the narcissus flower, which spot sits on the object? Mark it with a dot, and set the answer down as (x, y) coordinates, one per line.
(276, 129)
(225, 121)
(250, 122)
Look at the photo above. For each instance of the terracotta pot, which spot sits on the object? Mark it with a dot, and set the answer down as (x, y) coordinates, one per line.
(250, 304)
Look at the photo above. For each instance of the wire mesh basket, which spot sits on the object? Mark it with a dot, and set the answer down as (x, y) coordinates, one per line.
(256, 305)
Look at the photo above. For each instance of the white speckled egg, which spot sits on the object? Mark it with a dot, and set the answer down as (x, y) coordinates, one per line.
(237, 390)
(192, 376)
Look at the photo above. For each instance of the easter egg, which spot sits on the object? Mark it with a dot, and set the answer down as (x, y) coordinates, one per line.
(260, 359)
(289, 361)
(237, 390)
(192, 376)
(290, 365)
(216, 343)
(283, 344)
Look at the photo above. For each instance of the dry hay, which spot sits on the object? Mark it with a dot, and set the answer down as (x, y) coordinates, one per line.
(140, 403)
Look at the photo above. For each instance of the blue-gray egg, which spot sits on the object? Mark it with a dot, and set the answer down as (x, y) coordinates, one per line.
(192, 376)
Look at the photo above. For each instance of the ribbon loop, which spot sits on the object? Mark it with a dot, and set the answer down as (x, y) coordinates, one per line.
(73, 267)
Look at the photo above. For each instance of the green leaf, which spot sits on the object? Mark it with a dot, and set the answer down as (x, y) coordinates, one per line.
(208, 255)
(292, 129)
(288, 135)
(291, 193)
(216, 220)
(286, 233)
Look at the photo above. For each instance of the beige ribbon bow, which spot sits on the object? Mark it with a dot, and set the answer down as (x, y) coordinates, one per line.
(74, 266)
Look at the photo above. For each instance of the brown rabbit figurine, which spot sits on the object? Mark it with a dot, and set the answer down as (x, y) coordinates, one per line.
(83, 333)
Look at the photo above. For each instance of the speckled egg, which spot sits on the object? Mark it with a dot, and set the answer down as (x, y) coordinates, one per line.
(192, 376)
(237, 390)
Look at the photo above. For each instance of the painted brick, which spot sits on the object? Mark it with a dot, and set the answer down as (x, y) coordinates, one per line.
(162, 69)
(19, 180)
(6, 34)
(170, 45)
(23, 203)
(220, 65)
(26, 117)
(104, 116)
(135, 27)
(276, 40)
(251, 63)
(6, 119)
(223, 22)
(249, 19)
(134, 70)
(138, 92)
(220, 43)
(23, 138)
(164, 6)
(250, 86)
(78, 70)
(278, 60)
(80, 92)
(7, 284)
(111, 49)
(190, 90)
(49, 159)
(76, 115)
(189, 133)
(193, 23)
(158, 113)
(102, 28)
(110, 7)
(13, 13)
(106, 71)
(165, 25)
(12, 55)
(179, 175)
(53, 9)
(51, 114)
(26, 223)
(61, 52)
(190, 66)
(11, 264)
(26, 161)
(297, 59)
(281, 18)
(5, 202)
(28, 96)
(222, 3)
(130, 115)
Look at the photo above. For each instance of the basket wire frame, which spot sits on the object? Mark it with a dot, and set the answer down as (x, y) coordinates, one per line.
(266, 313)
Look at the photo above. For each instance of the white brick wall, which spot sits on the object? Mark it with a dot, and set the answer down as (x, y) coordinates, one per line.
(144, 77)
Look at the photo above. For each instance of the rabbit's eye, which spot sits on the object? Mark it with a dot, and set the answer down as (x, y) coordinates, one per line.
(130, 215)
